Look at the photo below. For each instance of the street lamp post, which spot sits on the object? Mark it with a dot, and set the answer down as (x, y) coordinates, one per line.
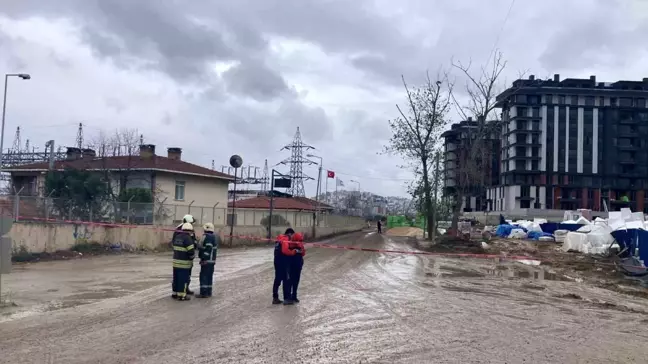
(359, 195)
(319, 185)
(24, 76)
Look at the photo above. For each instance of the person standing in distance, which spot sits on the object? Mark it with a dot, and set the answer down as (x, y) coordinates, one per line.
(183, 255)
(295, 265)
(379, 225)
(186, 219)
(207, 251)
(280, 267)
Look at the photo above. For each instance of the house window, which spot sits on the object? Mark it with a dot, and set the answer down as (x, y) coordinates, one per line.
(180, 190)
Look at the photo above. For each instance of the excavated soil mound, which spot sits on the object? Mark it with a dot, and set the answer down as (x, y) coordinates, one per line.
(405, 231)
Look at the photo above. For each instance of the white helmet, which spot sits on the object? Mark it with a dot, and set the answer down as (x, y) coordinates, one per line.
(209, 227)
(187, 227)
(188, 218)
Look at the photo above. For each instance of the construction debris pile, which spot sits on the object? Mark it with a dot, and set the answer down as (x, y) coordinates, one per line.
(624, 234)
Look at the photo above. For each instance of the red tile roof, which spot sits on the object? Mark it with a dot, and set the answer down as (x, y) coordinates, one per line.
(280, 203)
(157, 163)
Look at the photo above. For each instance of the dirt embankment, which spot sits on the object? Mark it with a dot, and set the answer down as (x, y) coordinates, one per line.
(405, 231)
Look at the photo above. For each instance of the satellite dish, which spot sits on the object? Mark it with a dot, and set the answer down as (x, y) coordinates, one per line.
(236, 161)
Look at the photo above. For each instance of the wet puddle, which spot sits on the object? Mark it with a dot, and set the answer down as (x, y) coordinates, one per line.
(538, 274)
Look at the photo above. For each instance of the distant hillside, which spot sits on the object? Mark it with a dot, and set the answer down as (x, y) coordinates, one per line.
(367, 203)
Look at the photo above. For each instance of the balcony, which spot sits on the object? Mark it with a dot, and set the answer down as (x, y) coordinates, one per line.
(522, 117)
(523, 131)
(628, 147)
(629, 121)
(524, 157)
(525, 144)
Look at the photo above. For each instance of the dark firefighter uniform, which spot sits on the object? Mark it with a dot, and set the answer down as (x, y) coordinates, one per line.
(186, 219)
(183, 255)
(207, 252)
(281, 269)
(295, 264)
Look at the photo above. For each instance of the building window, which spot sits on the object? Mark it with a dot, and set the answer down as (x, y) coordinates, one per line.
(640, 102)
(549, 99)
(536, 112)
(561, 99)
(625, 101)
(589, 101)
(520, 165)
(180, 190)
(574, 99)
(522, 111)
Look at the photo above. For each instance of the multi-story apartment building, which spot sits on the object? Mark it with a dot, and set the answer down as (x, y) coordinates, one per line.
(456, 143)
(575, 143)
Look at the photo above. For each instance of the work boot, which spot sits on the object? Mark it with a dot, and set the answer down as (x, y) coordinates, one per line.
(288, 302)
(174, 296)
(295, 300)
(276, 301)
(190, 291)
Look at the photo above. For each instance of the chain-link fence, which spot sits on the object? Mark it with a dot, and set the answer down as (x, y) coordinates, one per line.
(31, 208)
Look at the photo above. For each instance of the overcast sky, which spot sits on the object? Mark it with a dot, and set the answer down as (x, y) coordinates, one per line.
(219, 77)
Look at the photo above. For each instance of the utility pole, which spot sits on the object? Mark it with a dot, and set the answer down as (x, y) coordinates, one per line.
(319, 184)
(24, 76)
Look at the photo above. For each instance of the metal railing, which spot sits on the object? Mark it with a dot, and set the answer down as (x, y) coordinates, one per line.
(32, 208)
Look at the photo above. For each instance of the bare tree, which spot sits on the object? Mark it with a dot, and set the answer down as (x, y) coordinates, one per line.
(417, 191)
(124, 145)
(482, 87)
(415, 134)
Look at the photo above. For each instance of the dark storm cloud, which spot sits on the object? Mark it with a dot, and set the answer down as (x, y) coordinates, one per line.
(181, 38)
(254, 79)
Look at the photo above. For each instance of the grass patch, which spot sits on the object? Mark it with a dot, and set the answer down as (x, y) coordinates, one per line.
(22, 255)
(87, 247)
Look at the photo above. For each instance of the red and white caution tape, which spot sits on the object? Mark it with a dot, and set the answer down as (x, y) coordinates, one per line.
(314, 245)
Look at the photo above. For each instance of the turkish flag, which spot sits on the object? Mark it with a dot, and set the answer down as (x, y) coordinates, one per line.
(330, 174)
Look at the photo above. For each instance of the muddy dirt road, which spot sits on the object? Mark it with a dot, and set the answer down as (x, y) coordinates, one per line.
(356, 307)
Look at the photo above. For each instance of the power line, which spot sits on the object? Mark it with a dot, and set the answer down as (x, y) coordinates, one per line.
(374, 178)
(499, 34)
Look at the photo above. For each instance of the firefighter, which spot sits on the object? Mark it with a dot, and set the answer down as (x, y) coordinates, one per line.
(186, 219)
(207, 251)
(296, 263)
(281, 269)
(183, 255)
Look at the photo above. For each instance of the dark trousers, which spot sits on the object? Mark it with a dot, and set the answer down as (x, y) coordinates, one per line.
(281, 276)
(180, 283)
(206, 279)
(189, 280)
(295, 275)
(379, 229)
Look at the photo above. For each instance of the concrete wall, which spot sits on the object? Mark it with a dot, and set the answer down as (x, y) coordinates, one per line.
(50, 237)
